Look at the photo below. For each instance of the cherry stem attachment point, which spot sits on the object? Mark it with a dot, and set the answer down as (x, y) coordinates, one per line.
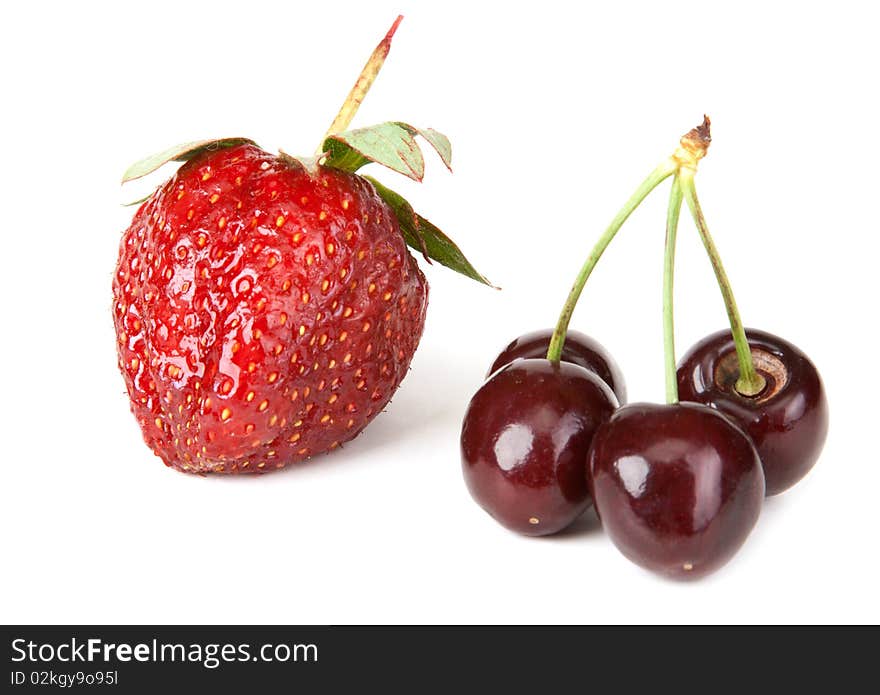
(361, 86)
(750, 382)
(663, 171)
(672, 215)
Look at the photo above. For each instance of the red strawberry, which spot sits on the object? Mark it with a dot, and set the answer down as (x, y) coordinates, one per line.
(267, 308)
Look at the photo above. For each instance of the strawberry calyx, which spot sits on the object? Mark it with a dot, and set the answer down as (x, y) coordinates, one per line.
(391, 144)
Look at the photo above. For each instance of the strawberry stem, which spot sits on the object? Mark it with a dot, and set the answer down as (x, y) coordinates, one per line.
(664, 170)
(362, 85)
(672, 215)
(750, 382)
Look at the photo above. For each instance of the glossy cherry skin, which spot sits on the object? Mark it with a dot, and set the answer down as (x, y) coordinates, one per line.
(788, 421)
(524, 443)
(578, 349)
(678, 487)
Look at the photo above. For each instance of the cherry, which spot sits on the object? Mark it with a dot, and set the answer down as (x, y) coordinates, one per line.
(578, 349)
(525, 439)
(678, 487)
(787, 420)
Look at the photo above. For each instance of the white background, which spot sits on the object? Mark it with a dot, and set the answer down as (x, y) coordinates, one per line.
(555, 114)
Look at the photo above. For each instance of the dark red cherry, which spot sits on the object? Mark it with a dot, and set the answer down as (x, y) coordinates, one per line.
(678, 487)
(787, 421)
(524, 443)
(578, 349)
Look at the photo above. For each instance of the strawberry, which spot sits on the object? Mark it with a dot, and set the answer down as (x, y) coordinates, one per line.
(266, 307)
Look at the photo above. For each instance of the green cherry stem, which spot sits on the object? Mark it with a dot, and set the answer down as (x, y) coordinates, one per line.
(672, 216)
(362, 85)
(750, 382)
(663, 171)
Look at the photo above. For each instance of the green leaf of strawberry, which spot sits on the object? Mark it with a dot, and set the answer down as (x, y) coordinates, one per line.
(178, 153)
(423, 236)
(391, 144)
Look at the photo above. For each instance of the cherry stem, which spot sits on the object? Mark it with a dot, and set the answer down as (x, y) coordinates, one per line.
(750, 382)
(672, 215)
(663, 171)
(362, 85)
